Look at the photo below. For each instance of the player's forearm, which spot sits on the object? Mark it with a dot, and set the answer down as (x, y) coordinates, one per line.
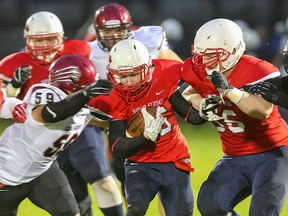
(127, 147)
(121, 146)
(185, 109)
(255, 106)
(54, 112)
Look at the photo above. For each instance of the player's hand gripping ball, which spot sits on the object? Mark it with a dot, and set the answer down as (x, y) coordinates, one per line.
(136, 126)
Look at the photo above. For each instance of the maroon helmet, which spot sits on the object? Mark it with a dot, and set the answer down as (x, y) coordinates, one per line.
(72, 72)
(112, 16)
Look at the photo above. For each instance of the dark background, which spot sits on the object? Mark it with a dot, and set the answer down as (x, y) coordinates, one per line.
(258, 14)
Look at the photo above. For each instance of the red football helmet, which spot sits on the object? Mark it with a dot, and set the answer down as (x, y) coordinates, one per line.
(72, 72)
(112, 16)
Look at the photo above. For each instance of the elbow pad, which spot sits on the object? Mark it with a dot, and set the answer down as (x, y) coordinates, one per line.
(58, 111)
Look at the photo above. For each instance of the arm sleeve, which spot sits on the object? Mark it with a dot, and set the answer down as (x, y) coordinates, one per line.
(122, 146)
(184, 109)
(282, 99)
(284, 84)
(57, 111)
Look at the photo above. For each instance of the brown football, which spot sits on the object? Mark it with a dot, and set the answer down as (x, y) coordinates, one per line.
(135, 126)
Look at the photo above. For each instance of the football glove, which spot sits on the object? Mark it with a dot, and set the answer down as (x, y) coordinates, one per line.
(19, 113)
(100, 87)
(152, 125)
(21, 75)
(225, 89)
(267, 90)
(209, 108)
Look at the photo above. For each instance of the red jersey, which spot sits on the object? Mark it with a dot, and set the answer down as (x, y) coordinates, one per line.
(39, 72)
(241, 134)
(171, 146)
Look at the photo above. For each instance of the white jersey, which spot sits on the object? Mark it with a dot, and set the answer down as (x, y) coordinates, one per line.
(153, 37)
(28, 150)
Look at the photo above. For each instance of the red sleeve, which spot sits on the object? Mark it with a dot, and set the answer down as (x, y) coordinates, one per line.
(196, 77)
(77, 47)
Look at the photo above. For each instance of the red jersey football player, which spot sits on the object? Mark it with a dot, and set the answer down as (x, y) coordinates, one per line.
(45, 43)
(254, 136)
(160, 155)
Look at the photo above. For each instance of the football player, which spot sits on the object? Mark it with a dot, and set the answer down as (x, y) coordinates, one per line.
(158, 161)
(55, 117)
(112, 23)
(45, 42)
(254, 136)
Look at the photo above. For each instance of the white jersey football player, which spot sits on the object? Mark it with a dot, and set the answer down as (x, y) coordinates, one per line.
(56, 115)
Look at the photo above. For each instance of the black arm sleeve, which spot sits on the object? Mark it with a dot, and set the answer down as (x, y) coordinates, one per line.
(184, 109)
(122, 146)
(282, 99)
(284, 84)
(54, 112)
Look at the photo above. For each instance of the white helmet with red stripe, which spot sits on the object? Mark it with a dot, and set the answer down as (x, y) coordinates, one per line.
(44, 36)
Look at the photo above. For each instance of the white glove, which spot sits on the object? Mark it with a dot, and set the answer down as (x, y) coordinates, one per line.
(209, 108)
(153, 125)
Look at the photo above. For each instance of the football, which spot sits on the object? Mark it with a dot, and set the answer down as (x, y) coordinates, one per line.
(135, 126)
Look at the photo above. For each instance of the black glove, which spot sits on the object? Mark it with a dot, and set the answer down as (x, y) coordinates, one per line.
(100, 87)
(219, 81)
(21, 75)
(267, 90)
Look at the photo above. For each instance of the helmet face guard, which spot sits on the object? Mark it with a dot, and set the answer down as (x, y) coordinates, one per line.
(219, 56)
(106, 41)
(43, 52)
(134, 91)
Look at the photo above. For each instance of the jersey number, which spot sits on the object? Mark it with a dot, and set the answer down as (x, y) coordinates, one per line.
(166, 123)
(59, 145)
(232, 125)
(38, 98)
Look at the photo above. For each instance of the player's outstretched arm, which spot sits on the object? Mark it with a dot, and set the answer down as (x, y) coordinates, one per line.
(273, 90)
(54, 112)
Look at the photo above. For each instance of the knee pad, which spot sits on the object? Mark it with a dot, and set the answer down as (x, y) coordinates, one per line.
(134, 211)
(107, 192)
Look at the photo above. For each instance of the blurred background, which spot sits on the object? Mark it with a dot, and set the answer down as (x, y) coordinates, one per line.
(264, 22)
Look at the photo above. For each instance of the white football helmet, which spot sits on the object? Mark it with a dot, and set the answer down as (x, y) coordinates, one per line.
(44, 36)
(127, 57)
(222, 37)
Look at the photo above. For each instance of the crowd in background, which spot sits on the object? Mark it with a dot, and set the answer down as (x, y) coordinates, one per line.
(263, 21)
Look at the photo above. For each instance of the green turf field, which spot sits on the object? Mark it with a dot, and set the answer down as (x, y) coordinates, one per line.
(205, 150)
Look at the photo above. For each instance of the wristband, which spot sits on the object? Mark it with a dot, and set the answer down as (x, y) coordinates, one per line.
(11, 91)
(235, 95)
